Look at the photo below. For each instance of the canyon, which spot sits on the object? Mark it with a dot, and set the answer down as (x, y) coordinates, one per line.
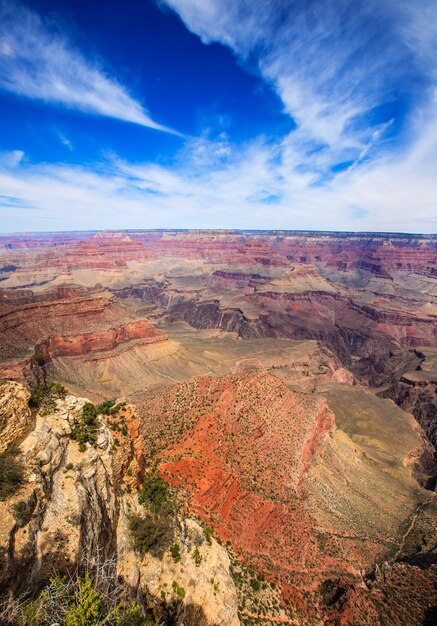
(283, 386)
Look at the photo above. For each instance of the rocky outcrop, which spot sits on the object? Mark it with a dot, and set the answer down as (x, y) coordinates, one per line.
(23, 326)
(416, 392)
(374, 343)
(211, 315)
(418, 397)
(74, 507)
(15, 417)
(289, 315)
(210, 595)
(394, 594)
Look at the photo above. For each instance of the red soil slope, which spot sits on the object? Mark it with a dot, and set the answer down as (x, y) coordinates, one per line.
(250, 455)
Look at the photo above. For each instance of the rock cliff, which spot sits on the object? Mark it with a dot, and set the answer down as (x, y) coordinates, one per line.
(73, 507)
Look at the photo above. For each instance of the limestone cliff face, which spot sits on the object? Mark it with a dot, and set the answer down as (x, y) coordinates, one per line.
(74, 506)
(14, 413)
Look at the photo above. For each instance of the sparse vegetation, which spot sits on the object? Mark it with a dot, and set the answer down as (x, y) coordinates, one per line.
(179, 591)
(105, 407)
(43, 396)
(153, 531)
(86, 431)
(208, 532)
(175, 553)
(197, 557)
(75, 601)
(150, 533)
(22, 511)
(11, 473)
(108, 407)
(155, 494)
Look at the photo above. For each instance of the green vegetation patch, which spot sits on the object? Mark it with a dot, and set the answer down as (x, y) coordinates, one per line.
(208, 532)
(87, 429)
(155, 494)
(153, 531)
(43, 396)
(75, 602)
(108, 407)
(179, 591)
(150, 533)
(22, 511)
(197, 557)
(175, 553)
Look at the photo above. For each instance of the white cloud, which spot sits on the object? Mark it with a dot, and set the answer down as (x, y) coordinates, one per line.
(330, 62)
(64, 140)
(256, 185)
(38, 62)
(11, 159)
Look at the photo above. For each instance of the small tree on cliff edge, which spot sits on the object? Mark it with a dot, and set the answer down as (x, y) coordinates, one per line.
(38, 368)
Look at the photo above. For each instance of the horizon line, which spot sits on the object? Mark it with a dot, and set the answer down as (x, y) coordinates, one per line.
(273, 231)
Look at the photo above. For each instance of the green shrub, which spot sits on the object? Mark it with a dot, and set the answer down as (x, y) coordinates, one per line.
(175, 553)
(197, 557)
(23, 510)
(179, 591)
(11, 473)
(75, 601)
(89, 413)
(109, 407)
(208, 532)
(155, 495)
(153, 531)
(150, 533)
(86, 606)
(32, 613)
(43, 396)
(86, 431)
(105, 407)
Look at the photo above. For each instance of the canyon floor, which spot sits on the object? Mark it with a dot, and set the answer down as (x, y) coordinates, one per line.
(281, 385)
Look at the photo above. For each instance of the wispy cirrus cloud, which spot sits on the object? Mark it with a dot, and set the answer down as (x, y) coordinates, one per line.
(360, 82)
(37, 61)
(341, 69)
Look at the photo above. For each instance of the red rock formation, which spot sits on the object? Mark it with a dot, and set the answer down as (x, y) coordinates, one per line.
(76, 326)
(23, 326)
(140, 331)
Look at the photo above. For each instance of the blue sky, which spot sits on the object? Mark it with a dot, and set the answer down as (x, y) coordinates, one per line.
(315, 114)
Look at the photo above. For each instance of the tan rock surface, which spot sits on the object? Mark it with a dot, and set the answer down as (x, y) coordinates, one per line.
(15, 417)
